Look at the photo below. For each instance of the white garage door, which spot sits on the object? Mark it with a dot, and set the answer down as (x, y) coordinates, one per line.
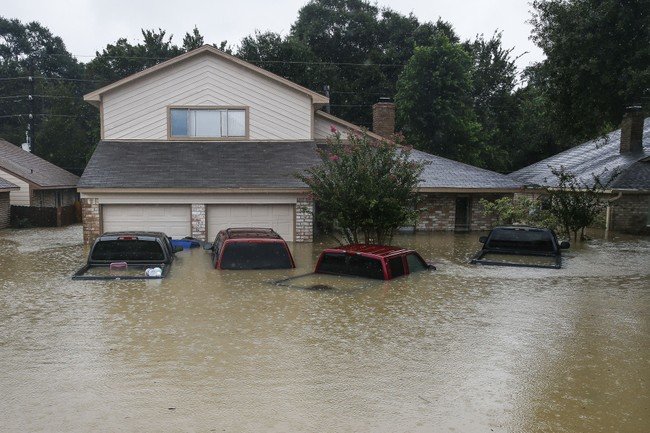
(279, 217)
(174, 220)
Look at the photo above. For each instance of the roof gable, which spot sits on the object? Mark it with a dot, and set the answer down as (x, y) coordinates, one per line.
(5, 184)
(95, 96)
(33, 169)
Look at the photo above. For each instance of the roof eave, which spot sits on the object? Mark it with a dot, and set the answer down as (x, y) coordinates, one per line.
(469, 190)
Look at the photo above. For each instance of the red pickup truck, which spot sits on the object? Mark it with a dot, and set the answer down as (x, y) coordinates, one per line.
(379, 262)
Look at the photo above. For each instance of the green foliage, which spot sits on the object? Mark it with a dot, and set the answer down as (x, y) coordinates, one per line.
(597, 62)
(285, 57)
(61, 122)
(525, 210)
(434, 100)
(576, 204)
(364, 187)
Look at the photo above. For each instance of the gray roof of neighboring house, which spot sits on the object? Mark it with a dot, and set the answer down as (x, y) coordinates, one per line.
(5, 184)
(226, 164)
(599, 157)
(164, 164)
(441, 172)
(34, 169)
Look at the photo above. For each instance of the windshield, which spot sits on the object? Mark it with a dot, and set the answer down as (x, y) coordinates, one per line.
(128, 250)
(527, 240)
(351, 264)
(255, 255)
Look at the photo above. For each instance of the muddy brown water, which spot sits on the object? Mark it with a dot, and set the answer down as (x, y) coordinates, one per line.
(462, 349)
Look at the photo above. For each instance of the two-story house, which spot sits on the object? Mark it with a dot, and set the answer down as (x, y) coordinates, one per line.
(207, 141)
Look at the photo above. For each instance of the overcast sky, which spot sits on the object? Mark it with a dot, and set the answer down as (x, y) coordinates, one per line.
(87, 26)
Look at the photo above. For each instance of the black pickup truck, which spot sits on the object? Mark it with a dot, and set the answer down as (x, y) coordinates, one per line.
(521, 241)
(128, 256)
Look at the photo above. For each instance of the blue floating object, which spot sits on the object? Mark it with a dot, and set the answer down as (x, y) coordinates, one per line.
(185, 243)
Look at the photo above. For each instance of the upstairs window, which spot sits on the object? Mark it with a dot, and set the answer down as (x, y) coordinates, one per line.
(207, 122)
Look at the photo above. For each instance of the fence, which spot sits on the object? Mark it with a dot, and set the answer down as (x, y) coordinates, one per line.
(28, 216)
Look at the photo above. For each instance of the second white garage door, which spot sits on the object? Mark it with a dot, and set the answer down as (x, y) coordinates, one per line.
(174, 220)
(279, 217)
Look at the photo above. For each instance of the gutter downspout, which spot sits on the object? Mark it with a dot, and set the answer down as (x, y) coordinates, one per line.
(608, 212)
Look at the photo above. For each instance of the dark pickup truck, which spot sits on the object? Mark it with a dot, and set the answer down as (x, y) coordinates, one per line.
(521, 241)
(128, 256)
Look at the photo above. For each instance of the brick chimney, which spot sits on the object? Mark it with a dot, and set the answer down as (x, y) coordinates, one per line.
(383, 117)
(632, 130)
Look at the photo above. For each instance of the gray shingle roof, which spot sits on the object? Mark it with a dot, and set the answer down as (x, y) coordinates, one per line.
(145, 164)
(599, 157)
(5, 184)
(36, 170)
(445, 173)
(636, 176)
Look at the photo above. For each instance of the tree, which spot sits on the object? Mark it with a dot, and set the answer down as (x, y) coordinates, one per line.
(365, 187)
(576, 203)
(434, 101)
(60, 126)
(192, 40)
(287, 57)
(494, 77)
(597, 62)
(122, 59)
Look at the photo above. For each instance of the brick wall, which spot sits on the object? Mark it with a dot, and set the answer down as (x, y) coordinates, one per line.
(438, 212)
(5, 210)
(304, 219)
(631, 214)
(91, 216)
(198, 221)
(383, 118)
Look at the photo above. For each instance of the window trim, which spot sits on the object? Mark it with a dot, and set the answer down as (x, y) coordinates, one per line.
(171, 137)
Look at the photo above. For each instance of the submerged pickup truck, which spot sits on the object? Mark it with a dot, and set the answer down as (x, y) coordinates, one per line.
(128, 256)
(505, 243)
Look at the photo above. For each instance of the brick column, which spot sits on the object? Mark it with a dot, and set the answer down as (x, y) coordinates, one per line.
(198, 222)
(91, 217)
(304, 219)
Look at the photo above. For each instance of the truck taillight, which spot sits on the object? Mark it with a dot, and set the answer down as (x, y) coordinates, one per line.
(127, 238)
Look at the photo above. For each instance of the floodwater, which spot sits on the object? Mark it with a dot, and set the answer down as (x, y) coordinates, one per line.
(462, 349)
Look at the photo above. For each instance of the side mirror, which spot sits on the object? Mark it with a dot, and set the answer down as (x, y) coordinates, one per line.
(178, 249)
(564, 245)
(207, 246)
(482, 239)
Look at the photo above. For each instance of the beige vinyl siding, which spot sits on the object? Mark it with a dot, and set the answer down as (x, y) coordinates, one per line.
(18, 197)
(5, 209)
(322, 128)
(139, 110)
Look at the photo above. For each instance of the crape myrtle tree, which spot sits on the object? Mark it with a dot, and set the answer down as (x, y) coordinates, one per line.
(574, 203)
(364, 187)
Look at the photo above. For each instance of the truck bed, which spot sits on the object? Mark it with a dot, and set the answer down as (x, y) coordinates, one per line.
(131, 272)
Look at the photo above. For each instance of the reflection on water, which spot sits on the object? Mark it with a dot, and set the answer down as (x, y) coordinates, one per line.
(465, 348)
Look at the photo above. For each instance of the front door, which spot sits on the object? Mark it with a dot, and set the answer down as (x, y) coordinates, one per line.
(462, 214)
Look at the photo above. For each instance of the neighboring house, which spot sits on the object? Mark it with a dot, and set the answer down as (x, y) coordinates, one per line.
(624, 153)
(206, 141)
(41, 183)
(5, 207)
